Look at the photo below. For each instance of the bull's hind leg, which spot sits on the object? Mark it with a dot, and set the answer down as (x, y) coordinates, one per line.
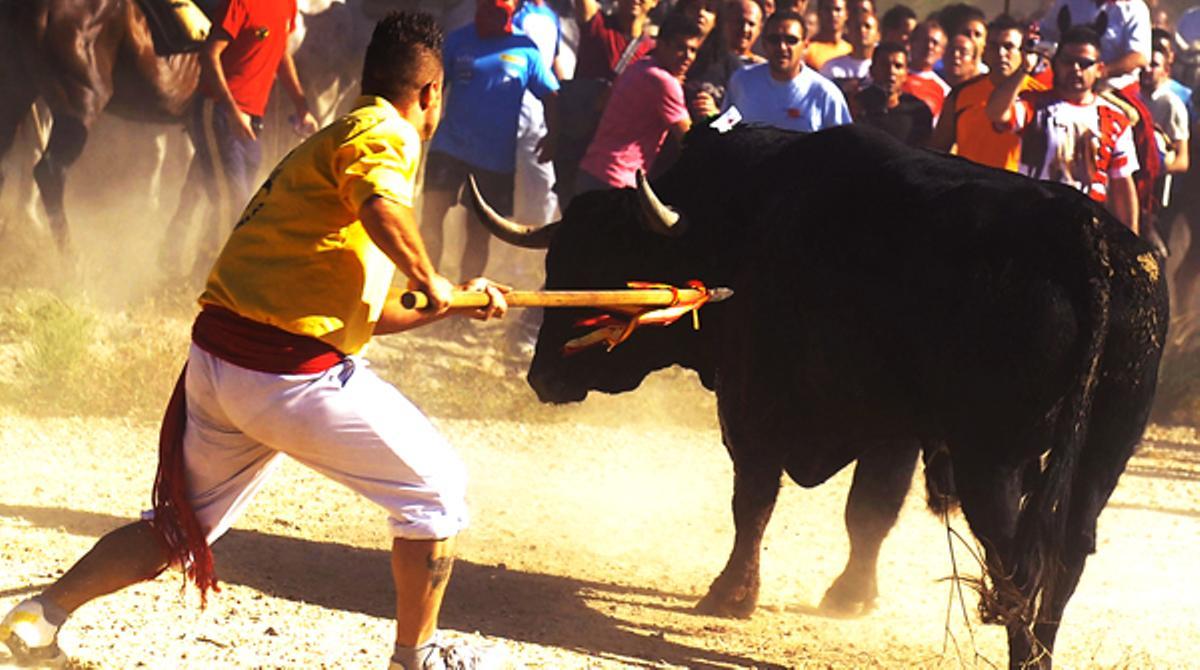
(882, 478)
(990, 495)
(755, 488)
(1119, 416)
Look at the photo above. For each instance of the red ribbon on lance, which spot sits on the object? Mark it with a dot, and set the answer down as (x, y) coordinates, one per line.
(613, 330)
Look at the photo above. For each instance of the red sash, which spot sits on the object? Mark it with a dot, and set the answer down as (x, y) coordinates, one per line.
(247, 344)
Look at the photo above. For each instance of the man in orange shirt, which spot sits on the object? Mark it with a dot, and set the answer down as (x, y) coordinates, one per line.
(964, 125)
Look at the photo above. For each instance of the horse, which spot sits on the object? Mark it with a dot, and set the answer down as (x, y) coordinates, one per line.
(81, 59)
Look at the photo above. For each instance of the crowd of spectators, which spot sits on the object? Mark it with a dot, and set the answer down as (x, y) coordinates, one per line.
(1080, 94)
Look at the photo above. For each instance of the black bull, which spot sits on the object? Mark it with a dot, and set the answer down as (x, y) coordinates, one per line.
(885, 298)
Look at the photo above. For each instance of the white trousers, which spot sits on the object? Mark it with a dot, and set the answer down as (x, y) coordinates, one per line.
(534, 200)
(346, 423)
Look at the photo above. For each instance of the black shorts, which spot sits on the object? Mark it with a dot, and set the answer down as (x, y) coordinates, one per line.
(444, 172)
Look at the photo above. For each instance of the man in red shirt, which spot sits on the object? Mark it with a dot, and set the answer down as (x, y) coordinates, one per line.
(245, 51)
(604, 40)
(928, 44)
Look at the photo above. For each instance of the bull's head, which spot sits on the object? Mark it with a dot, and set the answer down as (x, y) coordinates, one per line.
(605, 239)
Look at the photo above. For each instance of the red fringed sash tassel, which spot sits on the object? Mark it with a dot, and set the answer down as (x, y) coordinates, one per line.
(247, 344)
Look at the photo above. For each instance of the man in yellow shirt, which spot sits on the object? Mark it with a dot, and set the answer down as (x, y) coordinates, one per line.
(828, 42)
(964, 125)
(274, 368)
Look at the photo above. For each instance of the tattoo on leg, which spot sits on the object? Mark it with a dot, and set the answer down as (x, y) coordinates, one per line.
(439, 569)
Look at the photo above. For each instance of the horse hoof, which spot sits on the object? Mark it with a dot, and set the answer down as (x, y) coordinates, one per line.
(727, 605)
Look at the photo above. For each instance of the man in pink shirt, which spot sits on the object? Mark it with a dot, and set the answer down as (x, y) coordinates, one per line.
(646, 105)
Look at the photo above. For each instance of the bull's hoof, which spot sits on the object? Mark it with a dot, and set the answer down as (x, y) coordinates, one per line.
(845, 601)
(736, 603)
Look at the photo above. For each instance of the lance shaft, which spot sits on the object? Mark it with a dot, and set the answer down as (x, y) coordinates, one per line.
(633, 297)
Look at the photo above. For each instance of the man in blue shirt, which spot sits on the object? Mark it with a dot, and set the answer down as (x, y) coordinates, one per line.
(536, 202)
(489, 67)
(783, 92)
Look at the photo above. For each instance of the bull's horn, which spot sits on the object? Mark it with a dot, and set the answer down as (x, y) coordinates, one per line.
(530, 237)
(659, 217)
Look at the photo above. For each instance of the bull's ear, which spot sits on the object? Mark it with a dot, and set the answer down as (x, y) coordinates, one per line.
(1064, 21)
(1101, 23)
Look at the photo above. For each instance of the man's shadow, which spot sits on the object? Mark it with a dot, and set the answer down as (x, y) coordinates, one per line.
(523, 606)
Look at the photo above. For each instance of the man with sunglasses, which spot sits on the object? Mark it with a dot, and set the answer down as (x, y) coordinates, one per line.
(783, 92)
(1070, 134)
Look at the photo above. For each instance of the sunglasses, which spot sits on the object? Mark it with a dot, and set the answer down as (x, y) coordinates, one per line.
(790, 40)
(1082, 63)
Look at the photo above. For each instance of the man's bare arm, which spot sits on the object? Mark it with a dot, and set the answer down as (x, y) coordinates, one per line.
(1123, 202)
(548, 145)
(1181, 161)
(585, 10)
(1000, 103)
(393, 228)
(1125, 64)
(943, 136)
(214, 75)
(305, 123)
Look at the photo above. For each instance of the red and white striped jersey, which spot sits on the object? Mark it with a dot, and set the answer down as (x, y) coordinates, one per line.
(1080, 145)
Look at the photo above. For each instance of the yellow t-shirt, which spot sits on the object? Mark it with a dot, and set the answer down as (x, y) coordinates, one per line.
(976, 137)
(299, 259)
(818, 52)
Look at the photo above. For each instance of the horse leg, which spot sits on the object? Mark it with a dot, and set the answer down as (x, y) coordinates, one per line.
(68, 135)
(755, 487)
(882, 479)
(170, 254)
(14, 108)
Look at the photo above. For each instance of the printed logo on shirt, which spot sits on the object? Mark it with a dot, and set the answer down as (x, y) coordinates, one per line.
(261, 33)
(464, 68)
(515, 59)
(793, 113)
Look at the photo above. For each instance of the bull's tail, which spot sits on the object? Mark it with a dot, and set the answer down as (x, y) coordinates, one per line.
(1041, 533)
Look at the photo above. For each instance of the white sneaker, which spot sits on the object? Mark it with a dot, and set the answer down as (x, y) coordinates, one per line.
(446, 654)
(32, 641)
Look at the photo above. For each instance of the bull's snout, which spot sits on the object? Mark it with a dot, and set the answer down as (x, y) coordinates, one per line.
(552, 387)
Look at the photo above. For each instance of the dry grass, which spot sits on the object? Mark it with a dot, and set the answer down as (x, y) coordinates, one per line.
(68, 357)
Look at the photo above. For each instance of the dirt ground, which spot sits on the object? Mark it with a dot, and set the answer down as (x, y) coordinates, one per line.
(596, 528)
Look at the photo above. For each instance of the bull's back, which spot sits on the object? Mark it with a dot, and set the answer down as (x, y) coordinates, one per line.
(913, 282)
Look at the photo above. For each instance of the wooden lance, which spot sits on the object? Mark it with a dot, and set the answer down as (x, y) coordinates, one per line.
(642, 304)
(601, 299)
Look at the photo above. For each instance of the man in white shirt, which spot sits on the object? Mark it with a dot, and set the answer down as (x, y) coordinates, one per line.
(1125, 44)
(1070, 134)
(1170, 114)
(851, 71)
(783, 92)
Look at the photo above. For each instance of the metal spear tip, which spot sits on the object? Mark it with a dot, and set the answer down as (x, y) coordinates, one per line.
(718, 294)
